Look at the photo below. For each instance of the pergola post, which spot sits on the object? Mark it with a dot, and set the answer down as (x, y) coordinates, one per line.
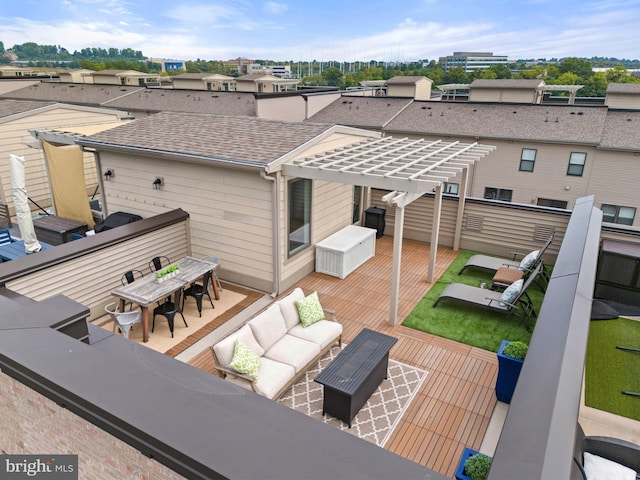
(435, 233)
(462, 196)
(398, 228)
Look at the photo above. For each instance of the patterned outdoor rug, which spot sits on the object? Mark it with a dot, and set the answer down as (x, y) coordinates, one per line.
(378, 417)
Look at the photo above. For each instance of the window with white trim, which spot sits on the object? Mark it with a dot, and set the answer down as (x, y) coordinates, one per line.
(576, 164)
(502, 194)
(527, 159)
(618, 214)
(299, 206)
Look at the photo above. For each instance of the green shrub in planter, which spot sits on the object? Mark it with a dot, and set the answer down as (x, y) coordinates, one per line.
(477, 466)
(517, 350)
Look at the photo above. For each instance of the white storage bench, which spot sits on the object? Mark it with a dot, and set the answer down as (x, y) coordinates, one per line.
(344, 251)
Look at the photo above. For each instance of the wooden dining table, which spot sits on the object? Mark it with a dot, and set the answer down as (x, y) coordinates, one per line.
(147, 290)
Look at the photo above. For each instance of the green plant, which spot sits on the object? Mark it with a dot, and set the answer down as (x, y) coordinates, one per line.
(517, 350)
(476, 467)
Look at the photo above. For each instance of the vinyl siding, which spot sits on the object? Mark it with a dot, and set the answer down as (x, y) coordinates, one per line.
(615, 100)
(616, 189)
(502, 95)
(489, 227)
(290, 109)
(395, 90)
(331, 209)
(315, 103)
(231, 210)
(101, 271)
(14, 132)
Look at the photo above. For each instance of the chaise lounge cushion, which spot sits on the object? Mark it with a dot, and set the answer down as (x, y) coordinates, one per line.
(323, 333)
(289, 309)
(293, 351)
(268, 327)
(511, 292)
(225, 348)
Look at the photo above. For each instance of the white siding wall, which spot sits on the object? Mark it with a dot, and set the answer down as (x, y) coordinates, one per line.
(331, 209)
(502, 95)
(90, 279)
(291, 109)
(549, 179)
(613, 182)
(489, 228)
(188, 84)
(14, 133)
(615, 100)
(230, 210)
(395, 90)
(315, 103)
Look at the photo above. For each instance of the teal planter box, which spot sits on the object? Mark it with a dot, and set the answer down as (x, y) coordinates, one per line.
(508, 373)
(466, 453)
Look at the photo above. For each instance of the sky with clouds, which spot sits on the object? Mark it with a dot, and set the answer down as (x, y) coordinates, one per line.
(326, 30)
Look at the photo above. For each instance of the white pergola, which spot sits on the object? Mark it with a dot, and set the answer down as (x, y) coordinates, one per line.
(409, 168)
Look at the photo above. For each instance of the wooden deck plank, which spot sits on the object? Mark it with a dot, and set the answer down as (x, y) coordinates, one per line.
(454, 405)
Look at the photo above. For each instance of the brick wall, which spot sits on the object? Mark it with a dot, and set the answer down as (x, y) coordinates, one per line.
(32, 424)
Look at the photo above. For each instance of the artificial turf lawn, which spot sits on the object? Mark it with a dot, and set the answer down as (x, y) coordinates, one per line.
(464, 323)
(609, 370)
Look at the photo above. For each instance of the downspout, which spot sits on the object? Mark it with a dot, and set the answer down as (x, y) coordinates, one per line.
(275, 199)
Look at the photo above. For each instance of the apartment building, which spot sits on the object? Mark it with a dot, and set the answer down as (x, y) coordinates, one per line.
(470, 61)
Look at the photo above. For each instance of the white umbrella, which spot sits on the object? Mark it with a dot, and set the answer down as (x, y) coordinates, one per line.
(21, 204)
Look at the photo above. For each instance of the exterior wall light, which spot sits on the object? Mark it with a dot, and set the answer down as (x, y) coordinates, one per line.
(108, 174)
(157, 183)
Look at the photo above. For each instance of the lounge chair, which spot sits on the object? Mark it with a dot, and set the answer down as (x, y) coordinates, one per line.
(513, 301)
(492, 264)
(528, 264)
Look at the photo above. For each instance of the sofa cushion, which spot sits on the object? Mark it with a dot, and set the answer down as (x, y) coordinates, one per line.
(271, 378)
(245, 361)
(225, 348)
(288, 308)
(309, 309)
(324, 332)
(599, 468)
(268, 327)
(293, 351)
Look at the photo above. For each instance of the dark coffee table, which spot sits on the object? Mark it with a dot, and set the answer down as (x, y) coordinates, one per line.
(355, 373)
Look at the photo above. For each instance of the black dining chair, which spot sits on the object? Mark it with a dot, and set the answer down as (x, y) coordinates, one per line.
(130, 276)
(169, 309)
(158, 263)
(198, 291)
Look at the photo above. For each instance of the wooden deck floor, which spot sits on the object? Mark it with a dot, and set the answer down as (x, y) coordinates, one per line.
(453, 408)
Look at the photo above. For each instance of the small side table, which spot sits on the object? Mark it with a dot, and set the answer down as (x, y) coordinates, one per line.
(505, 276)
(57, 230)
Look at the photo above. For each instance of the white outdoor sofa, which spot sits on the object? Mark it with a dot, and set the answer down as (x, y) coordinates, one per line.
(286, 348)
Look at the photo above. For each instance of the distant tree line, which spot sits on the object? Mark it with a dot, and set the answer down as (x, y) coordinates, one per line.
(567, 71)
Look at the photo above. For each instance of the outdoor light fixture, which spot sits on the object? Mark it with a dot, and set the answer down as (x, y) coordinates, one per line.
(157, 183)
(108, 174)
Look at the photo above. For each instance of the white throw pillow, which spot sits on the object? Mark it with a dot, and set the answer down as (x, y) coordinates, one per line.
(527, 262)
(511, 292)
(598, 468)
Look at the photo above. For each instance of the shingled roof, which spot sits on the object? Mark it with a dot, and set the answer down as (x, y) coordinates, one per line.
(193, 101)
(230, 139)
(14, 107)
(503, 121)
(363, 112)
(77, 93)
(621, 130)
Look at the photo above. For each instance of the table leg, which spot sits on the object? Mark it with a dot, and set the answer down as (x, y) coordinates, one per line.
(214, 283)
(144, 311)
